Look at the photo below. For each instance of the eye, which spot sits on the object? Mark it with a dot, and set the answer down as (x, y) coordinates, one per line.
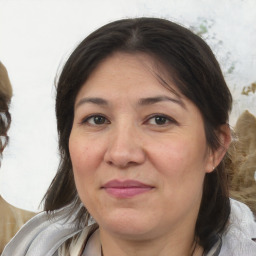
(96, 120)
(160, 120)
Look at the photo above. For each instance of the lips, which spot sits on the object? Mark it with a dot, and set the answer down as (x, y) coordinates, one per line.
(126, 189)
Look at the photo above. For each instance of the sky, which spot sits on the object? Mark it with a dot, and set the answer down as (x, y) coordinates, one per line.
(38, 36)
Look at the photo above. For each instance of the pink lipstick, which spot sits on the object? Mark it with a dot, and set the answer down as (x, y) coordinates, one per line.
(126, 188)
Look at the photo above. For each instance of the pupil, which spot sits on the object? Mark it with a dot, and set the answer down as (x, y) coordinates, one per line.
(160, 120)
(99, 120)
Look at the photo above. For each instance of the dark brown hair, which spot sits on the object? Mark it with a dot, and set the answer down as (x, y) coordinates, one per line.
(5, 98)
(190, 63)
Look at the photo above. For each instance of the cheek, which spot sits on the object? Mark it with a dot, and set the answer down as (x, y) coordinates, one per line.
(181, 163)
(84, 155)
(87, 157)
(83, 164)
(177, 155)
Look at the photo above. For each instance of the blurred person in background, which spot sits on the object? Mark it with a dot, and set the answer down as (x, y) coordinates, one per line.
(11, 218)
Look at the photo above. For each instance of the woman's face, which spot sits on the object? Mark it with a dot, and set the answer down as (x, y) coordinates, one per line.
(138, 151)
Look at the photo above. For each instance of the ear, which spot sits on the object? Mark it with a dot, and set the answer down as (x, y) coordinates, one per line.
(216, 155)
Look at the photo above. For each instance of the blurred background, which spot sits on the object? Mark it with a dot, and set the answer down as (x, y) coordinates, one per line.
(37, 36)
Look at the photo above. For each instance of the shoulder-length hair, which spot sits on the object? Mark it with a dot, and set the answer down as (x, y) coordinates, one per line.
(192, 66)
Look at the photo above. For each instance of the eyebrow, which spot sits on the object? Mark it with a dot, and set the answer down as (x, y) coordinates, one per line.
(153, 100)
(142, 102)
(97, 101)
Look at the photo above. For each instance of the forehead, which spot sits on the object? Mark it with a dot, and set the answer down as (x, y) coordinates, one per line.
(128, 72)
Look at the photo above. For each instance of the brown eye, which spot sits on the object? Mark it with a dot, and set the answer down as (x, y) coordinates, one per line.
(99, 119)
(96, 120)
(160, 120)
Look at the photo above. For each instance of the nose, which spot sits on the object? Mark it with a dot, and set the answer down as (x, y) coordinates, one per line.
(125, 148)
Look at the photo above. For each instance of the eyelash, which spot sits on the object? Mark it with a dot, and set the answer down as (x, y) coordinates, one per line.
(167, 120)
(87, 119)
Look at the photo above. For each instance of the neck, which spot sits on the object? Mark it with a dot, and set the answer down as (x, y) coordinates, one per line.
(165, 246)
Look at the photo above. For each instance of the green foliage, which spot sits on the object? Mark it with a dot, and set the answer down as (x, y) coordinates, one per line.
(231, 68)
(203, 28)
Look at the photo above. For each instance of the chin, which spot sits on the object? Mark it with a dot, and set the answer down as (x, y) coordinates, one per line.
(130, 226)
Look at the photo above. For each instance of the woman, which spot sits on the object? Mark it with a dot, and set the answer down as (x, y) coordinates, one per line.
(142, 114)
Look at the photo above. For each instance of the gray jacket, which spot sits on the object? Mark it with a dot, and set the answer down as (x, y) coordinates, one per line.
(42, 236)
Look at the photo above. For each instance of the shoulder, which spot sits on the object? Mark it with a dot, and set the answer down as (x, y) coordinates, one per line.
(237, 240)
(42, 235)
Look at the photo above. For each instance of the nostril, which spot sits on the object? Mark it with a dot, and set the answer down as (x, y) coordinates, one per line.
(109, 162)
(122, 165)
(124, 152)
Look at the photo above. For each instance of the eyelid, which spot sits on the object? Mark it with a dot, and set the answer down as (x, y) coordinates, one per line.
(85, 119)
(169, 118)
